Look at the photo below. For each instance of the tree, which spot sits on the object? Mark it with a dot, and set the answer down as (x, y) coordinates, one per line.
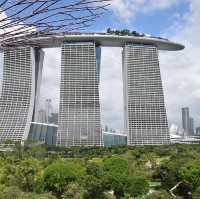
(191, 172)
(73, 191)
(94, 187)
(37, 196)
(12, 192)
(138, 186)
(161, 194)
(25, 17)
(58, 175)
(94, 169)
(196, 194)
(116, 174)
(27, 174)
(168, 171)
(115, 164)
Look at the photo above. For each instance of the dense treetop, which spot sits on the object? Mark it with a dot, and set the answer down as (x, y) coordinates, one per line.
(139, 172)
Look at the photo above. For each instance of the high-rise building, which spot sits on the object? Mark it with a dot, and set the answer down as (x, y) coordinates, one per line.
(79, 117)
(20, 78)
(145, 113)
(49, 108)
(53, 118)
(191, 126)
(186, 121)
(198, 131)
(41, 116)
(79, 112)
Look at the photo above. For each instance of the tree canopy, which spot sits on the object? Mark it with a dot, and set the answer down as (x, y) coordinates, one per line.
(117, 172)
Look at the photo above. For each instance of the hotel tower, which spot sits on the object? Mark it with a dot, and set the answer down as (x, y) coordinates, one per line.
(79, 109)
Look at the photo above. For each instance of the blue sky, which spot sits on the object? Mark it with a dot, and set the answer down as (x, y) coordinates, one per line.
(153, 22)
(178, 20)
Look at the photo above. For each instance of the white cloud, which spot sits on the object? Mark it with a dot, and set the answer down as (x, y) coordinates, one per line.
(50, 85)
(111, 91)
(8, 29)
(181, 70)
(128, 9)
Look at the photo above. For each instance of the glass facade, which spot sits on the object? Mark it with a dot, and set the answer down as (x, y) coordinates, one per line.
(45, 133)
(110, 139)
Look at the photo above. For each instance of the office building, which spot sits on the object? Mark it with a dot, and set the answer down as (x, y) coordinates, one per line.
(41, 116)
(198, 131)
(187, 122)
(191, 126)
(79, 116)
(145, 113)
(53, 118)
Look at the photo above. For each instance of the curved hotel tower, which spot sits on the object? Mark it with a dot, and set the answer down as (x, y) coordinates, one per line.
(79, 114)
(19, 88)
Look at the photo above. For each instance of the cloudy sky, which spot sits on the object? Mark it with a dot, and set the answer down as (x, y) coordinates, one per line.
(177, 20)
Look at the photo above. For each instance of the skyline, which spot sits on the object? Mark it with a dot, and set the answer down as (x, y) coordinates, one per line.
(180, 78)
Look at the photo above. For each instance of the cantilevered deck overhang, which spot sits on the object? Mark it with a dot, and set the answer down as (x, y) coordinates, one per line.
(102, 39)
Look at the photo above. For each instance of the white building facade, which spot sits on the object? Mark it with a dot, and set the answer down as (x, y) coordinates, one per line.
(18, 95)
(144, 107)
(79, 115)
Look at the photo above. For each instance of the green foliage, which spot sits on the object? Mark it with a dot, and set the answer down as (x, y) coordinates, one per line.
(124, 32)
(168, 172)
(116, 174)
(10, 193)
(37, 171)
(138, 186)
(162, 194)
(73, 191)
(196, 194)
(94, 169)
(116, 165)
(94, 187)
(26, 174)
(37, 196)
(58, 175)
(190, 172)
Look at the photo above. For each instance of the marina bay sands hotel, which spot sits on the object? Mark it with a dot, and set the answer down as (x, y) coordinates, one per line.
(79, 109)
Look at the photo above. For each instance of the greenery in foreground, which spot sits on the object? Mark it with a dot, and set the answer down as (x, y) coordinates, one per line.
(140, 172)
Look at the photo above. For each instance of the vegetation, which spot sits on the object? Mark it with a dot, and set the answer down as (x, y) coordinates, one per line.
(119, 172)
(126, 32)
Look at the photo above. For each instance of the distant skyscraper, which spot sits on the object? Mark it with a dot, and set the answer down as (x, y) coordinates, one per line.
(53, 118)
(186, 121)
(79, 116)
(42, 116)
(191, 126)
(198, 131)
(48, 108)
(145, 113)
